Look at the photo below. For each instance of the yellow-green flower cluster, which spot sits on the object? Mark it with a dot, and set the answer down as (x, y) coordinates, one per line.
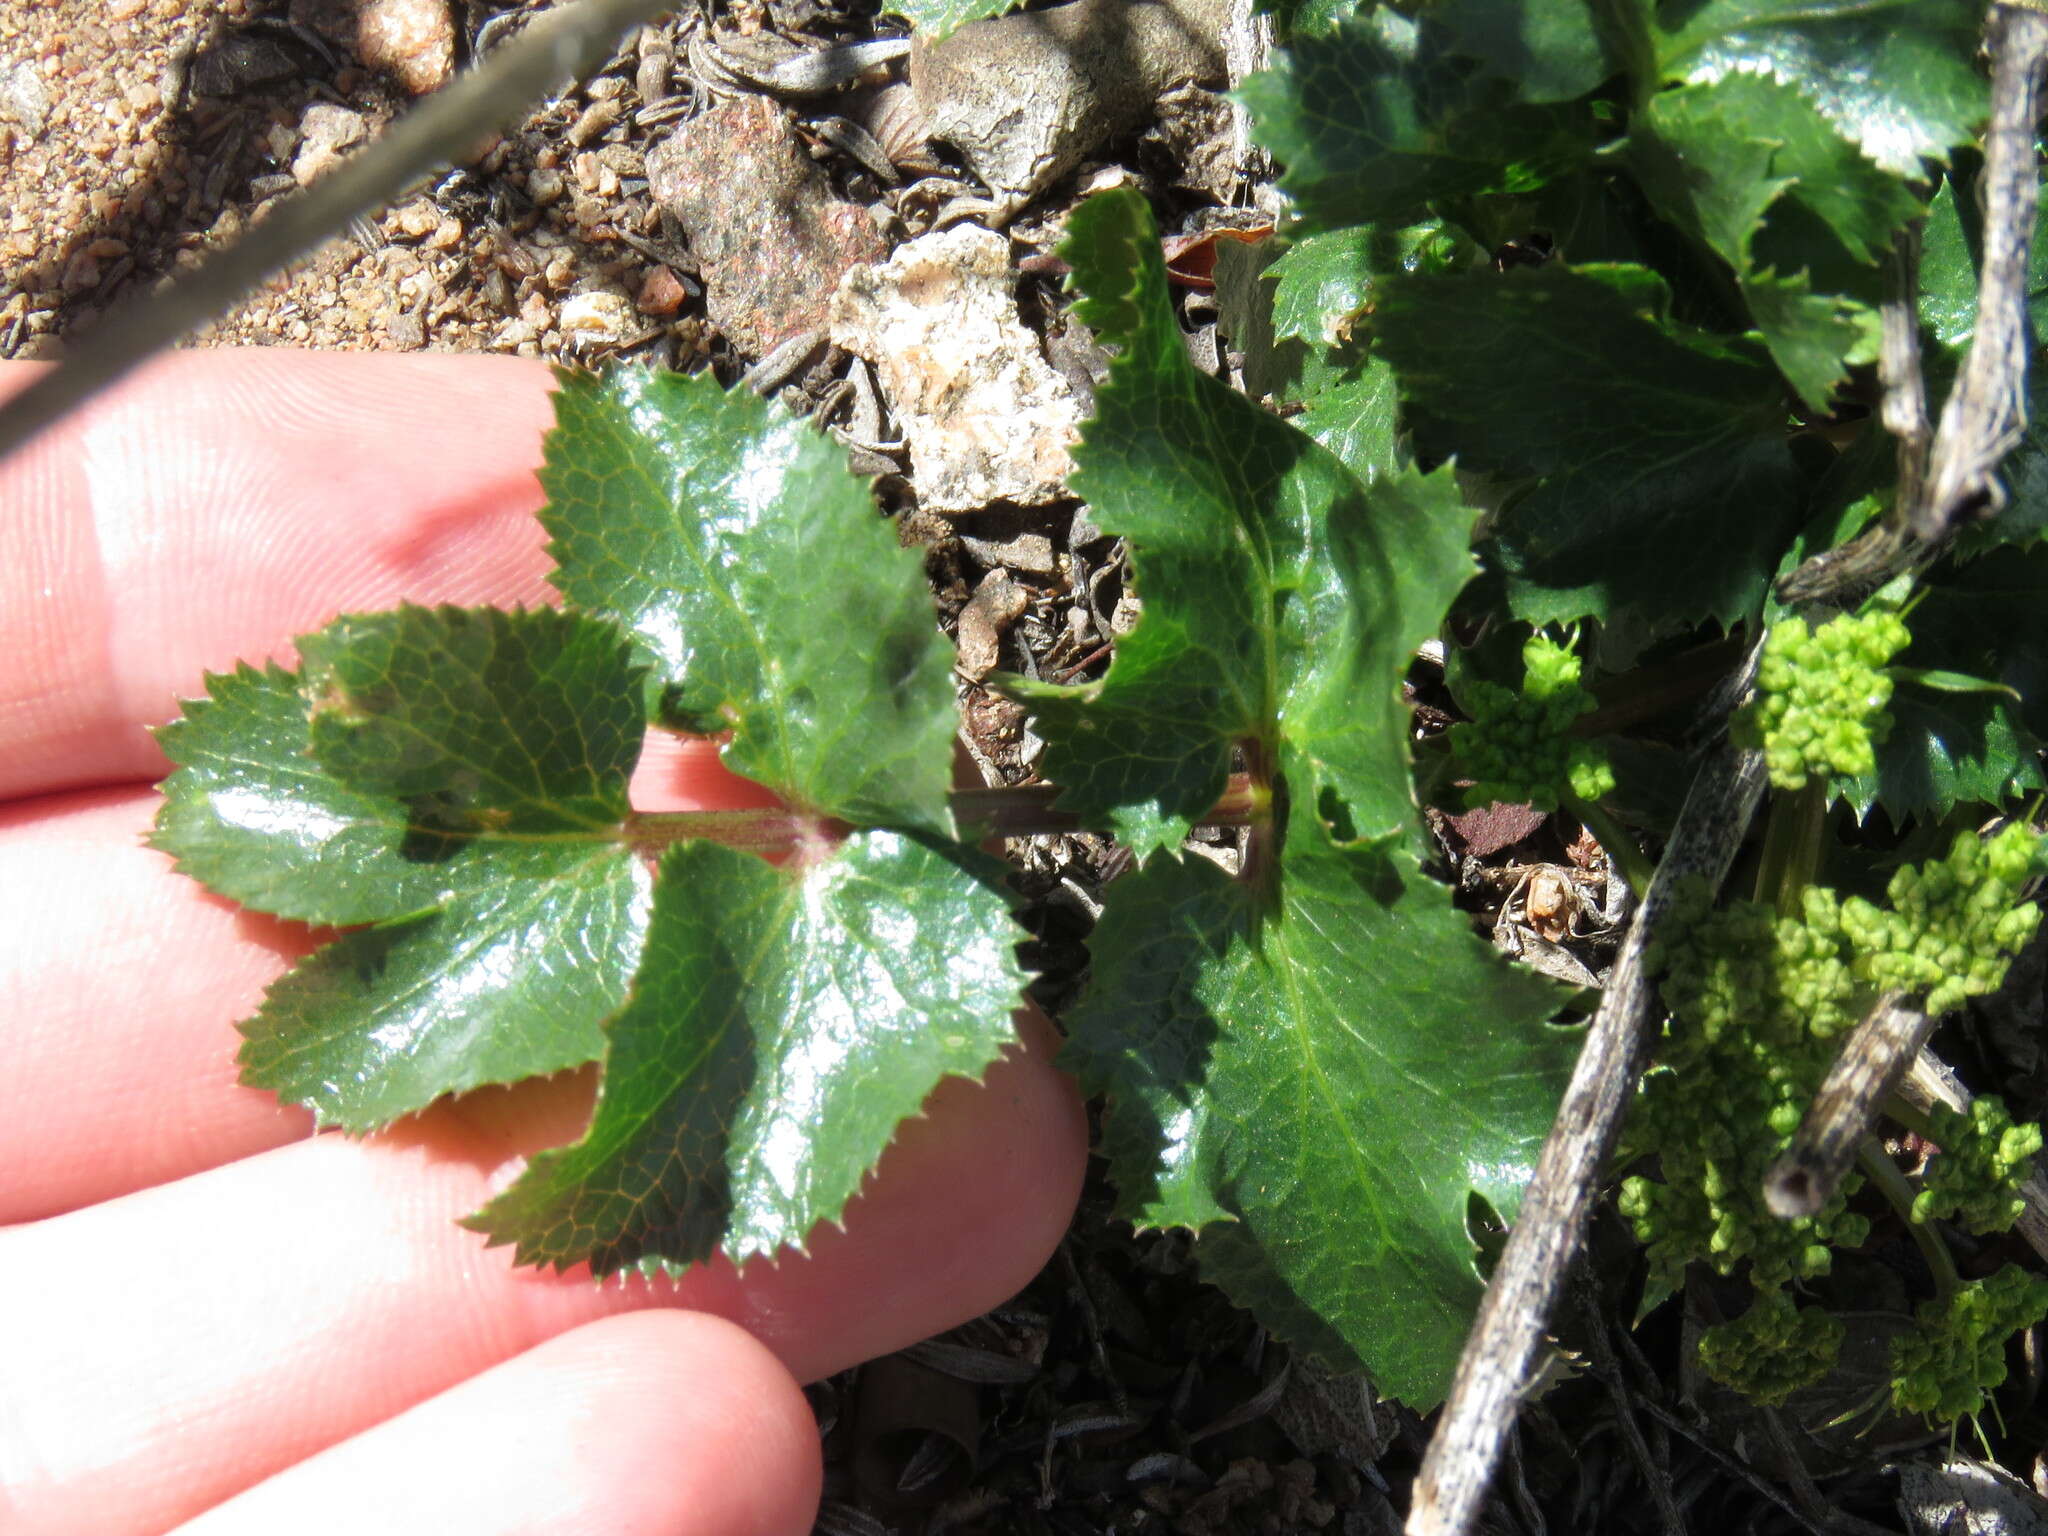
(1975, 1179)
(1773, 1349)
(1955, 1352)
(1953, 924)
(1518, 747)
(1819, 706)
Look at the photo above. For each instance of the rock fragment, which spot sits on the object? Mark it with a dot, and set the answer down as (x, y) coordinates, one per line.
(769, 236)
(326, 134)
(1027, 96)
(986, 418)
(411, 40)
(996, 604)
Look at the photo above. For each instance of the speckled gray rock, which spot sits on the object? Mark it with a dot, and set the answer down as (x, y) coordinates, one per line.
(769, 236)
(1026, 97)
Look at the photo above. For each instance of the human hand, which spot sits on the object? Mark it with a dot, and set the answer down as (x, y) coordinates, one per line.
(209, 1314)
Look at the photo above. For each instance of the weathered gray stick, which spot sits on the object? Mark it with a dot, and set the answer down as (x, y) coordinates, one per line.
(1519, 1301)
(561, 45)
(1873, 1061)
(1552, 1221)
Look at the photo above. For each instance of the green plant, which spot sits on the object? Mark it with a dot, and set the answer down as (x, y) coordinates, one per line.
(1590, 281)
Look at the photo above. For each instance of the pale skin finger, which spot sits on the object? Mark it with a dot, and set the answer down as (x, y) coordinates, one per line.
(663, 1422)
(338, 1263)
(221, 502)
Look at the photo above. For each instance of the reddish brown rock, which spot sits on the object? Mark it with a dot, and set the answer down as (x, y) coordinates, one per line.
(771, 240)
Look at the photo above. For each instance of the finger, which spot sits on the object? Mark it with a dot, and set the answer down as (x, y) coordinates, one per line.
(663, 1422)
(223, 501)
(290, 1300)
(125, 982)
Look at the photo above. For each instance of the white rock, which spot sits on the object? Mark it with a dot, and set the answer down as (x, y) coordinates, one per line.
(326, 133)
(598, 318)
(986, 418)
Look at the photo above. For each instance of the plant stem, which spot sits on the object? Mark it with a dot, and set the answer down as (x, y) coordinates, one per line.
(1792, 840)
(1021, 810)
(1884, 1173)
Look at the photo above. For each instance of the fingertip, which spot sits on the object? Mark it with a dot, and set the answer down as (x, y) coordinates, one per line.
(671, 1422)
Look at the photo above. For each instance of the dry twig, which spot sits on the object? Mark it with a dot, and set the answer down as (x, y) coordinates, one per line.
(1873, 1060)
(1982, 419)
(561, 45)
(1547, 1233)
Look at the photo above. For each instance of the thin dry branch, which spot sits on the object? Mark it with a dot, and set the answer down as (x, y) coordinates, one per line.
(1984, 415)
(1872, 1063)
(562, 45)
(1547, 1233)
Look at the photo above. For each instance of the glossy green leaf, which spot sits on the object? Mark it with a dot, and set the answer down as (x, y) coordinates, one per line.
(484, 720)
(500, 984)
(1897, 78)
(784, 1023)
(1272, 578)
(1276, 1057)
(1259, 1036)
(1951, 244)
(760, 585)
(1311, 18)
(1944, 750)
(1717, 158)
(1374, 123)
(457, 777)
(1645, 466)
(253, 816)
(1357, 418)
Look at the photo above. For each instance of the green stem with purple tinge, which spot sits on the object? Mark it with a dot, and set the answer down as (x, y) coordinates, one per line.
(1021, 810)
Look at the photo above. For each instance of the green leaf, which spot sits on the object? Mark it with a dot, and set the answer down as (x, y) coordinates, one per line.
(1552, 48)
(1944, 750)
(1951, 244)
(1259, 1036)
(495, 720)
(784, 1023)
(509, 982)
(1374, 124)
(1717, 158)
(252, 816)
(1277, 1057)
(1897, 78)
(459, 776)
(1304, 18)
(1323, 283)
(1647, 466)
(1272, 578)
(760, 585)
(934, 19)
(1357, 419)
(1815, 338)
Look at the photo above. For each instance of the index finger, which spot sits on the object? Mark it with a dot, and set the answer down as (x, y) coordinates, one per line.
(221, 501)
